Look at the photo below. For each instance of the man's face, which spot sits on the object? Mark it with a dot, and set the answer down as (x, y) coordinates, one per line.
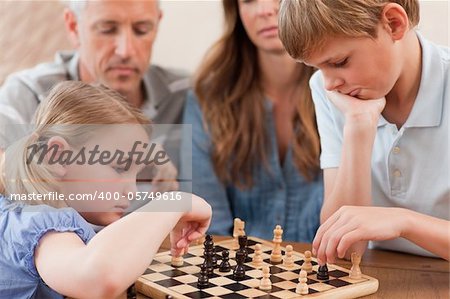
(115, 42)
(364, 68)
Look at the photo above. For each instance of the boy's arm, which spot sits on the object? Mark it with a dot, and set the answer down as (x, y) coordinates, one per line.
(352, 224)
(117, 255)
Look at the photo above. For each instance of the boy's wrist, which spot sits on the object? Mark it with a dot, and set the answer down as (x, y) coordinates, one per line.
(406, 222)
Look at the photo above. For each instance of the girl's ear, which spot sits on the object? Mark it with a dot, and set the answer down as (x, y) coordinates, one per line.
(57, 154)
(395, 20)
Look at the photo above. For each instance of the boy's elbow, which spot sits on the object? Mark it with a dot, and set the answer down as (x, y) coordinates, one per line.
(105, 286)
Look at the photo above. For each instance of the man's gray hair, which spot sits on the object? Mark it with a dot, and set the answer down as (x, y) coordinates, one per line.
(77, 6)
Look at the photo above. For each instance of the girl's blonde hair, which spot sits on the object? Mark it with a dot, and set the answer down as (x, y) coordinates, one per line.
(305, 24)
(68, 111)
(228, 87)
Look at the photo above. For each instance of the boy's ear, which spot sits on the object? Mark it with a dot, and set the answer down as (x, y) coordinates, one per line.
(395, 21)
(71, 22)
(58, 152)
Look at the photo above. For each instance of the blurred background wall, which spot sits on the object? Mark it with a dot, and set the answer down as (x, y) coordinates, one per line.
(31, 31)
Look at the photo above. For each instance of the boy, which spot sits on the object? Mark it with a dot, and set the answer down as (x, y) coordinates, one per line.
(382, 99)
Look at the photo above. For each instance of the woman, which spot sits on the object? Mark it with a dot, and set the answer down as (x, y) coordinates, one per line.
(255, 147)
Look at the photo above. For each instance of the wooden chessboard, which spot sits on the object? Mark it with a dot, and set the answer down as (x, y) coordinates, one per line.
(161, 279)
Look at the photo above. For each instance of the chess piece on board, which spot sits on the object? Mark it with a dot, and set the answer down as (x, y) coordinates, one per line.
(238, 230)
(288, 260)
(276, 256)
(322, 273)
(239, 270)
(355, 271)
(265, 283)
(203, 279)
(225, 264)
(257, 257)
(302, 287)
(307, 265)
(177, 261)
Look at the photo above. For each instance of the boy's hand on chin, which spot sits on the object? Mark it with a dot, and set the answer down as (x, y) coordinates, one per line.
(355, 109)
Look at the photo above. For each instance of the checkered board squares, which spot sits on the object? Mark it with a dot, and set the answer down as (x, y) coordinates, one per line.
(161, 279)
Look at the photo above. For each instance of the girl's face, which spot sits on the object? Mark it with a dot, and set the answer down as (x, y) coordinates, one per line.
(106, 180)
(260, 20)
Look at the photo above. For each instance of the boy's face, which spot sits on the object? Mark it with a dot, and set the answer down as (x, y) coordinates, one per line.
(364, 68)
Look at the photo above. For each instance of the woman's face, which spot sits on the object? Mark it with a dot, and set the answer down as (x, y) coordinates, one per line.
(110, 183)
(260, 20)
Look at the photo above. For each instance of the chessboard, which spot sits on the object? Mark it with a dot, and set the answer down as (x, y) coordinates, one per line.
(161, 280)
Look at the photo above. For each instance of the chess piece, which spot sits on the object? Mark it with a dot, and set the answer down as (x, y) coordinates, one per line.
(302, 287)
(355, 271)
(225, 265)
(322, 273)
(276, 256)
(265, 283)
(214, 258)
(307, 265)
(257, 257)
(288, 260)
(177, 261)
(203, 279)
(239, 270)
(208, 254)
(238, 230)
(242, 240)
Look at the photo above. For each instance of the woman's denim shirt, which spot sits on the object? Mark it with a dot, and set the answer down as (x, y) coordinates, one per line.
(279, 196)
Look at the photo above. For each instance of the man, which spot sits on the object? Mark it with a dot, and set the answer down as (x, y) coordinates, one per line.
(113, 41)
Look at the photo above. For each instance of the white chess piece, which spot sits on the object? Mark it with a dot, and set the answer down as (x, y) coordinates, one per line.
(302, 287)
(257, 260)
(288, 260)
(276, 256)
(238, 230)
(177, 261)
(265, 283)
(307, 265)
(355, 271)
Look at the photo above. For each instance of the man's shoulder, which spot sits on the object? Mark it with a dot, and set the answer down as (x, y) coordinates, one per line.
(41, 78)
(176, 80)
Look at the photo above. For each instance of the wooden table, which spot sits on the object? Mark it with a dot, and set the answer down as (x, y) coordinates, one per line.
(400, 275)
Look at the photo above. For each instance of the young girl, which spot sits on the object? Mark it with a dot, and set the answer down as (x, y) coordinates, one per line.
(50, 251)
(255, 145)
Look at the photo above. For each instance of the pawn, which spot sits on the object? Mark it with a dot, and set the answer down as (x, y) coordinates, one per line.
(203, 280)
(355, 271)
(225, 265)
(257, 257)
(307, 265)
(288, 260)
(177, 261)
(302, 288)
(322, 273)
(265, 283)
(239, 270)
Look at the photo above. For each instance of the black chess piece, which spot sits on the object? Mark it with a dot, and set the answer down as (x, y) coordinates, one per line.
(239, 270)
(225, 265)
(243, 244)
(208, 254)
(203, 279)
(214, 258)
(322, 273)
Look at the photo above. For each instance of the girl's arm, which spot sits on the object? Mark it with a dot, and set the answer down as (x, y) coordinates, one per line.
(118, 254)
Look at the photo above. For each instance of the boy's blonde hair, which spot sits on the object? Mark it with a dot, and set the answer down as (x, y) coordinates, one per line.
(70, 111)
(305, 24)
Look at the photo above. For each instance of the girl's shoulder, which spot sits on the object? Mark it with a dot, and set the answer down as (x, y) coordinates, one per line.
(27, 224)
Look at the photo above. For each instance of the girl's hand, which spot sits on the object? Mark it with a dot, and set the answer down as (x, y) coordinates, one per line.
(191, 226)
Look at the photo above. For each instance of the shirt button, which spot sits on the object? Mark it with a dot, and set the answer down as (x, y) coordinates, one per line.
(396, 150)
(397, 173)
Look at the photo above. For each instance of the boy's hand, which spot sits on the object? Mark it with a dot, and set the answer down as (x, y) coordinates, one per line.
(355, 109)
(351, 224)
(191, 226)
